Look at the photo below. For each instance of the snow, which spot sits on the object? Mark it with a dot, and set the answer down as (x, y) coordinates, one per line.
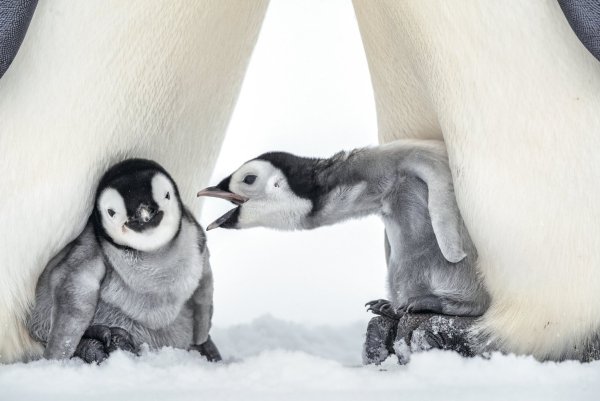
(272, 359)
(340, 343)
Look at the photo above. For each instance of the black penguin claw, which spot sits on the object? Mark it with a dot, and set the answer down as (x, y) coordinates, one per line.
(383, 307)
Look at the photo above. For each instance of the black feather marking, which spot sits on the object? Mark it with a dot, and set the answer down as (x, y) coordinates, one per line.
(132, 178)
(312, 178)
(300, 173)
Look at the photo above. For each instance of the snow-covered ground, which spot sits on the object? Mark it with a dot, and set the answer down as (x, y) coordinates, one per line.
(270, 359)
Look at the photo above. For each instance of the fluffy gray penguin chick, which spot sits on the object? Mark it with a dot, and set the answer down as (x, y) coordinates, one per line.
(430, 256)
(138, 273)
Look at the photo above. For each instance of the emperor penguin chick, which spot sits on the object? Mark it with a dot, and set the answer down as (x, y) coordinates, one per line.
(430, 256)
(138, 273)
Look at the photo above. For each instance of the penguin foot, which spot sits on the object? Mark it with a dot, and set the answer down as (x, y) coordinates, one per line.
(446, 333)
(416, 333)
(208, 349)
(121, 339)
(379, 340)
(592, 351)
(99, 341)
(383, 307)
(91, 351)
(428, 303)
(407, 326)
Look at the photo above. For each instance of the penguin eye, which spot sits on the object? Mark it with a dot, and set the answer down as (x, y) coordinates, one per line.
(168, 196)
(249, 179)
(111, 212)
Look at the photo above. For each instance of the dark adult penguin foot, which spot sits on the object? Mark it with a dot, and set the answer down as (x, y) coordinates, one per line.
(592, 351)
(379, 340)
(407, 324)
(446, 333)
(428, 303)
(99, 341)
(208, 349)
(383, 307)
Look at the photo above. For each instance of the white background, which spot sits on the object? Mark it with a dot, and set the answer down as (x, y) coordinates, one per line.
(307, 91)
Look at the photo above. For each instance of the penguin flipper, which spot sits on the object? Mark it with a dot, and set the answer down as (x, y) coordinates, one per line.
(15, 16)
(446, 221)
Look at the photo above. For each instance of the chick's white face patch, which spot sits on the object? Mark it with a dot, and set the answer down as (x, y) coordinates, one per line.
(271, 202)
(114, 215)
(111, 206)
(164, 195)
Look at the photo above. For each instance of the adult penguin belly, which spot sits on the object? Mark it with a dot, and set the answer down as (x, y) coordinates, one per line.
(516, 97)
(96, 82)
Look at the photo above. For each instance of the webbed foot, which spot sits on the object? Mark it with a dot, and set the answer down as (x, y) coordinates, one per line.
(99, 341)
(427, 303)
(446, 333)
(208, 349)
(406, 328)
(422, 332)
(383, 307)
(379, 340)
(121, 339)
(91, 351)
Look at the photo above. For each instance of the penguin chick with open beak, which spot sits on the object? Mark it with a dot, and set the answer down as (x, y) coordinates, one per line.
(430, 256)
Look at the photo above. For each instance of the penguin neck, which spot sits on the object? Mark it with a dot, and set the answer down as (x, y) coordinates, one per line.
(345, 188)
